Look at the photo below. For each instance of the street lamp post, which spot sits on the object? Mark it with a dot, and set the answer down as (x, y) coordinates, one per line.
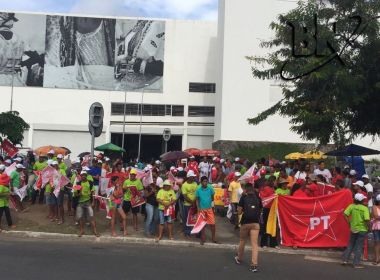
(141, 114)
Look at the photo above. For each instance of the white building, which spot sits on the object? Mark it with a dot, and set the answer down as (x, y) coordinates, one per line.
(208, 92)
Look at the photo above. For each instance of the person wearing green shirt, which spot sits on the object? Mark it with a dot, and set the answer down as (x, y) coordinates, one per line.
(38, 166)
(62, 166)
(357, 215)
(4, 197)
(283, 187)
(84, 194)
(188, 191)
(17, 181)
(132, 182)
(166, 198)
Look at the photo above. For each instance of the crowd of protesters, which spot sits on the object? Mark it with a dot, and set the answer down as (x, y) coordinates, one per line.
(178, 187)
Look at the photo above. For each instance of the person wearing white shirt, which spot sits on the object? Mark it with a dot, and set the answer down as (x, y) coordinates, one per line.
(204, 168)
(303, 172)
(321, 170)
(369, 189)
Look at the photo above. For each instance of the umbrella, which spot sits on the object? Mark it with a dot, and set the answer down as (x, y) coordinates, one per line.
(353, 150)
(294, 156)
(58, 150)
(84, 154)
(209, 153)
(173, 156)
(314, 155)
(193, 151)
(110, 148)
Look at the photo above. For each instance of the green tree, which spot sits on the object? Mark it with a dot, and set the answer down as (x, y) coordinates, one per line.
(12, 126)
(335, 102)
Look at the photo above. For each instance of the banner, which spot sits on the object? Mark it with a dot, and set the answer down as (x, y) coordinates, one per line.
(314, 222)
(10, 169)
(103, 185)
(221, 197)
(47, 174)
(148, 179)
(191, 217)
(21, 192)
(9, 148)
(137, 198)
(249, 176)
(200, 224)
(325, 189)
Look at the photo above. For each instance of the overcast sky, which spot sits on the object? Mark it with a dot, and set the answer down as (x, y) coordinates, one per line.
(176, 9)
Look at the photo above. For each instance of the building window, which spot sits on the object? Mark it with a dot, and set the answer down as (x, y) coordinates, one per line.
(202, 87)
(201, 111)
(134, 109)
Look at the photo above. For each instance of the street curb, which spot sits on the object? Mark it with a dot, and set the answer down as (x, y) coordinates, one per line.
(172, 243)
(334, 260)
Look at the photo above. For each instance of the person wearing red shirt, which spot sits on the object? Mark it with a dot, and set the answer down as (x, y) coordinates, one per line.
(298, 190)
(193, 165)
(312, 189)
(266, 192)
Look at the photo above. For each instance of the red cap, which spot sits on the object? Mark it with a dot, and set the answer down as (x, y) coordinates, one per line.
(263, 172)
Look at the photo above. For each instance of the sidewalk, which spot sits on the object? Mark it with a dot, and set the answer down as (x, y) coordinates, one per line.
(34, 224)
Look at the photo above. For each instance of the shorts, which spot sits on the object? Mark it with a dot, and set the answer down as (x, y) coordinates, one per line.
(245, 229)
(82, 208)
(164, 219)
(61, 198)
(127, 207)
(209, 216)
(51, 199)
(376, 235)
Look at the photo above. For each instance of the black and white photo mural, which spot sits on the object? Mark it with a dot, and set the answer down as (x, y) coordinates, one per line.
(80, 53)
(139, 61)
(22, 49)
(69, 52)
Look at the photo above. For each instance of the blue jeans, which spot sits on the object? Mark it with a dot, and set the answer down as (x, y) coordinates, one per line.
(151, 218)
(356, 246)
(186, 229)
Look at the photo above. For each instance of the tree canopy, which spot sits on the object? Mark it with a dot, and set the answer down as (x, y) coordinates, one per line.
(12, 126)
(329, 75)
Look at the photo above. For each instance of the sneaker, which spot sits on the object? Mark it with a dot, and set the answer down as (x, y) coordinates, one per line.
(237, 261)
(344, 263)
(253, 268)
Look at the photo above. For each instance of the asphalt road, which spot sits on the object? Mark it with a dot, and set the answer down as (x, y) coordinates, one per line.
(36, 259)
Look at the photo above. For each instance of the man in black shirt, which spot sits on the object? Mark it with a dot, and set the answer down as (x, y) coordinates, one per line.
(250, 206)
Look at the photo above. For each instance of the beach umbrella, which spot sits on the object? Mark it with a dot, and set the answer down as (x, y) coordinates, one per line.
(174, 156)
(193, 151)
(109, 147)
(314, 155)
(294, 156)
(57, 150)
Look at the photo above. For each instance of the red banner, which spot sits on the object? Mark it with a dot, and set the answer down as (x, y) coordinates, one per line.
(137, 198)
(314, 222)
(9, 148)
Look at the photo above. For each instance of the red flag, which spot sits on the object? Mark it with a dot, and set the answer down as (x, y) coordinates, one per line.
(9, 148)
(137, 198)
(191, 217)
(200, 224)
(316, 221)
(268, 200)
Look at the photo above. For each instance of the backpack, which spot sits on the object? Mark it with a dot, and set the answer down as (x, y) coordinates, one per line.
(251, 209)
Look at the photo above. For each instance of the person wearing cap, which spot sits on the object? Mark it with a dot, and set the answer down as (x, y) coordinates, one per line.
(266, 192)
(61, 164)
(96, 172)
(358, 187)
(84, 195)
(233, 192)
(193, 165)
(321, 170)
(7, 162)
(204, 200)
(132, 182)
(282, 187)
(369, 189)
(376, 228)
(166, 199)
(38, 166)
(4, 197)
(188, 190)
(357, 215)
(18, 180)
(50, 155)
(311, 188)
(151, 205)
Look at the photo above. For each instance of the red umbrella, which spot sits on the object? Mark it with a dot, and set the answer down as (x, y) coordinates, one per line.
(174, 156)
(209, 153)
(193, 151)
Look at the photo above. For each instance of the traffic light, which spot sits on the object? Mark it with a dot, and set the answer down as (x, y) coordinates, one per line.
(96, 115)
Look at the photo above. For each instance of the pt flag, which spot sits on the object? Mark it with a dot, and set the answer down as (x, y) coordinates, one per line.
(314, 222)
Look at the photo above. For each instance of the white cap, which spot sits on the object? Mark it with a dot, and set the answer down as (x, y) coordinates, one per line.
(172, 168)
(85, 168)
(99, 161)
(2, 167)
(192, 157)
(359, 183)
(20, 166)
(365, 176)
(352, 172)
(149, 166)
(107, 159)
(359, 197)
(346, 167)
(222, 160)
(180, 168)
(18, 159)
(237, 159)
(237, 174)
(83, 172)
(214, 158)
(146, 168)
(220, 184)
(378, 197)
(54, 162)
(50, 162)
(190, 173)
(51, 152)
(8, 161)
(59, 156)
(157, 162)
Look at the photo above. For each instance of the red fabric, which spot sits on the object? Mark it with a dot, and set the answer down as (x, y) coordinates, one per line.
(312, 190)
(315, 221)
(9, 148)
(214, 174)
(4, 179)
(336, 178)
(193, 165)
(266, 192)
(230, 177)
(300, 193)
